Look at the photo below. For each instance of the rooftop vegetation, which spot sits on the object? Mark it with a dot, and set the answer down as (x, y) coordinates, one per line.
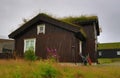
(109, 46)
(77, 19)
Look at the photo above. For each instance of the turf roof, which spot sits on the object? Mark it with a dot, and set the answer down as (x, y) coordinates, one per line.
(83, 20)
(102, 46)
(72, 19)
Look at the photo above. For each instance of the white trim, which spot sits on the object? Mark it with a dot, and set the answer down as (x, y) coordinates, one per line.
(41, 26)
(34, 45)
(118, 52)
(80, 47)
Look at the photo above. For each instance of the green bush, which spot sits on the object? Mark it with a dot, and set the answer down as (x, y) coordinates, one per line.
(48, 71)
(30, 55)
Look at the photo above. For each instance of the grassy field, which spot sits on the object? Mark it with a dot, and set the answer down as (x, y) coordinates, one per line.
(48, 69)
(108, 60)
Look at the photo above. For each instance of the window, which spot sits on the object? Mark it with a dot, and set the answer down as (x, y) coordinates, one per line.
(41, 28)
(100, 53)
(29, 44)
(118, 52)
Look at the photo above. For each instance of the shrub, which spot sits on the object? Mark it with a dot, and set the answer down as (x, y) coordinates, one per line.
(17, 75)
(48, 71)
(30, 55)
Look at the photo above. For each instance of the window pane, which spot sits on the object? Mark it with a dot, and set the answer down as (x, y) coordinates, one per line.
(29, 44)
(41, 28)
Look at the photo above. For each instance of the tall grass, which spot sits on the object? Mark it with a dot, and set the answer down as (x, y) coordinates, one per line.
(48, 69)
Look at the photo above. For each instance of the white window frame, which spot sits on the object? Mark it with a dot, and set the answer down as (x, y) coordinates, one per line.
(34, 44)
(80, 47)
(118, 53)
(39, 29)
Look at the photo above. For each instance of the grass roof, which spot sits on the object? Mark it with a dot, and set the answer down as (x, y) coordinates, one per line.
(77, 19)
(109, 46)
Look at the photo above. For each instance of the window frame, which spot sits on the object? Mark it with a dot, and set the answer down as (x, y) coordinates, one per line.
(34, 44)
(39, 28)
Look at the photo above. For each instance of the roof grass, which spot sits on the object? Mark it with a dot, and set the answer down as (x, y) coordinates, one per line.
(102, 46)
(82, 21)
(77, 19)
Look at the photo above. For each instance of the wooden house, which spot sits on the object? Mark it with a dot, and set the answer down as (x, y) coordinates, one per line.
(68, 39)
(109, 50)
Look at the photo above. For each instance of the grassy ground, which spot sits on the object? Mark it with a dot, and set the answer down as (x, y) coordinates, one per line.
(108, 60)
(48, 69)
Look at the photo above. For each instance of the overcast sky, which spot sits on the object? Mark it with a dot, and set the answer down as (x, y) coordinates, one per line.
(108, 11)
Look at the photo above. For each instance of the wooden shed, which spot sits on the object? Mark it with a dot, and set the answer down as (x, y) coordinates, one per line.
(43, 31)
(109, 50)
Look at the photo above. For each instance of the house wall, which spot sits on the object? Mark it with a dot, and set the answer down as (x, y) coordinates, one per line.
(54, 38)
(109, 53)
(89, 47)
(6, 48)
(6, 45)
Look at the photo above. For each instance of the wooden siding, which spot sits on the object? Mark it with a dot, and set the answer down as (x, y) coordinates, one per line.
(89, 45)
(109, 50)
(109, 53)
(55, 38)
(6, 55)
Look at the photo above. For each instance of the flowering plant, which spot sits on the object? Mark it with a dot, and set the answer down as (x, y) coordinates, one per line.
(52, 54)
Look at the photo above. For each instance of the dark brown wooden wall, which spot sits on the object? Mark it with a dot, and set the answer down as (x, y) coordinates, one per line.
(89, 45)
(55, 38)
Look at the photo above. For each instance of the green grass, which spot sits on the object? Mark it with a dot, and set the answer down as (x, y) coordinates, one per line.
(48, 69)
(115, 45)
(104, 60)
(76, 19)
(108, 60)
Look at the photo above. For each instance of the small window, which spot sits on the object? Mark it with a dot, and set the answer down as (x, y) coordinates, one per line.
(118, 52)
(29, 44)
(100, 53)
(41, 29)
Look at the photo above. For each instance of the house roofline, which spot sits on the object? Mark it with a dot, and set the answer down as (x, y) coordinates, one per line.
(83, 21)
(113, 45)
(43, 17)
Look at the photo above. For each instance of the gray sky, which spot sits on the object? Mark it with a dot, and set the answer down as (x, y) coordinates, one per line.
(13, 11)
